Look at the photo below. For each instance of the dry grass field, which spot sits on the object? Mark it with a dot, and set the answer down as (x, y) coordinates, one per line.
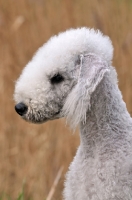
(35, 153)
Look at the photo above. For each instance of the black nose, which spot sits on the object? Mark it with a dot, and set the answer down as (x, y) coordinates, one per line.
(21, 108)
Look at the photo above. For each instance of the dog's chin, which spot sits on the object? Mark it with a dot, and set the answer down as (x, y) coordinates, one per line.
(34, 120)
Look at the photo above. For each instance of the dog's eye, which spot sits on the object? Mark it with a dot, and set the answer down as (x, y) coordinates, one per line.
(57, 78)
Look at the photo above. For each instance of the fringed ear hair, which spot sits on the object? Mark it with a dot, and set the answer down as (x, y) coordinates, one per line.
(91, 72)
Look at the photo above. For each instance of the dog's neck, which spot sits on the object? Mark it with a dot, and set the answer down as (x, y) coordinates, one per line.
(106, 122)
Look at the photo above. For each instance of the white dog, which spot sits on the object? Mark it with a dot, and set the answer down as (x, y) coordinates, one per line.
(71, 76)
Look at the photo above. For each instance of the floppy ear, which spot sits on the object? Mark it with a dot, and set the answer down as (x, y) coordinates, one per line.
(91, 72)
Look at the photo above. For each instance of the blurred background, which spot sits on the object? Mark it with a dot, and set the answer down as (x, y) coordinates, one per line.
(34, 153)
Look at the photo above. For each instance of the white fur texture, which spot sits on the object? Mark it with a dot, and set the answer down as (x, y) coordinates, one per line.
(89, 96)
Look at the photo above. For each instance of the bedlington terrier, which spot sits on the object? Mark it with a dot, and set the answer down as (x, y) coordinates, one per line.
(72, 76)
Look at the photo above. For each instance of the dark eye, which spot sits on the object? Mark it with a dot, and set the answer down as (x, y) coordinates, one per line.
(57, 78)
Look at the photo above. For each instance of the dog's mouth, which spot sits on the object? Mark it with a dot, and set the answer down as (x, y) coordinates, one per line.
(35, 120)
(36, 116)
(40, 117)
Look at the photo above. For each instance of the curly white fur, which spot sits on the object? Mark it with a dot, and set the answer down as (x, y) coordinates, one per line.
(89, 96)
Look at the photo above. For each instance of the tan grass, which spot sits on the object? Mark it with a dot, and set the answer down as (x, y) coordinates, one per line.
(53, 188)
(35, 152)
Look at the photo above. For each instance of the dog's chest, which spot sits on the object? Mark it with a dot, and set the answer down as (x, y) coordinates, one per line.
(91, 179)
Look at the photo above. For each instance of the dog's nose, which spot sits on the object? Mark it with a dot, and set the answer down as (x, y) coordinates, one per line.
(21, 108)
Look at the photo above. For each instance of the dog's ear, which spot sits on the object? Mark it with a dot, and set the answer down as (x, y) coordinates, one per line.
(91, 71)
